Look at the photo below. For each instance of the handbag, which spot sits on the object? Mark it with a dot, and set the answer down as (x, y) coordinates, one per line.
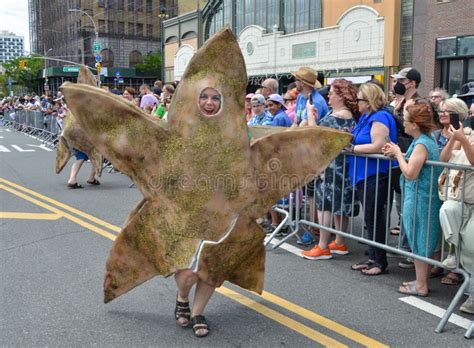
(456, 179)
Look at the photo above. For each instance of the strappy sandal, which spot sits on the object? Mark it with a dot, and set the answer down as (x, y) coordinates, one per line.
(374, 265)
(361, 265)
(182, 313)
(94, 182)
(74, 186)
(199, 323)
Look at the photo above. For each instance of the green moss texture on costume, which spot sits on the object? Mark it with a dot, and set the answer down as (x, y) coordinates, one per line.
(204, 183)
(73, 135)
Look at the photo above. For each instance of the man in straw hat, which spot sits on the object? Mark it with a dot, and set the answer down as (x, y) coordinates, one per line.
(307, 84)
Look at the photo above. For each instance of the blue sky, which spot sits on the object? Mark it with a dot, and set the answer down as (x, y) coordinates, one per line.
(14, 18)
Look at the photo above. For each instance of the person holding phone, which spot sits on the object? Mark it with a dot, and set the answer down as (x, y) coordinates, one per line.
(451, 112)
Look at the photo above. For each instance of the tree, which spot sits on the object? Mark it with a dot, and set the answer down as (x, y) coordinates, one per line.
(151, 64)
(24, 71)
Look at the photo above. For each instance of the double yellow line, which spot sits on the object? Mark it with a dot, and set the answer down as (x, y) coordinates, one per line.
(59, 209)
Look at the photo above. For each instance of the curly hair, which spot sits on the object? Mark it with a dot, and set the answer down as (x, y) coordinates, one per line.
(348, 93)
(422, 115)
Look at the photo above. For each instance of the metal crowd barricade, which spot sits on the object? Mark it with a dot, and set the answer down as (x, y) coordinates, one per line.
(294, 221)
(36, 124)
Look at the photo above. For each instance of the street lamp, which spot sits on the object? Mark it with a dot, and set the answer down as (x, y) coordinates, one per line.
(96, 43)
(46, 87)
(163, 15)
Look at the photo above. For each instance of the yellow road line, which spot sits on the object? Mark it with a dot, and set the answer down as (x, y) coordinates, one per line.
(60, 212)
(29, 216)
(323, 321)
(64, 206)
(280, 318)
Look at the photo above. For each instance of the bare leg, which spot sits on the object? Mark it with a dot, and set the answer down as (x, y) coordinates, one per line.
(341, 223)
(201, 297)
(91, 177)
(275, 218)
(185, 279)
(422, 270)
(324, 218)
(76, 166)
(312, 213)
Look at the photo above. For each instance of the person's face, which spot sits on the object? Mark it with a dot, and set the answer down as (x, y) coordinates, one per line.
(444, 115)
(273, 107)
(334, 99)
(209, 101)
(248, 103)
(409, 84)
(258, 109)
(436, 98)
(407, 125)
(266, 91)
(142, 91)
(127, 95)
(363, 104)
(136, 101)
(471, 110)
(299, 85)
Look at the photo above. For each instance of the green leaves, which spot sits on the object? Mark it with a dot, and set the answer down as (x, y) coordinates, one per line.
(27, 76)
(151, 64)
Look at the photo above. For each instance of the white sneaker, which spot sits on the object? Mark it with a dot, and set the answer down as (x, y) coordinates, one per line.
(468, 306)
(450, 261)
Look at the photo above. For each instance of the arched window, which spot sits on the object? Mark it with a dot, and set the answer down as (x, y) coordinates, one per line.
(135, 58)
(171, 39)
(188, 35)
(107, 58)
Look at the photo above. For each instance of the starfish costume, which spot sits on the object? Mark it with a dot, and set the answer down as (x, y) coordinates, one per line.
(74, 137)
(204, 182)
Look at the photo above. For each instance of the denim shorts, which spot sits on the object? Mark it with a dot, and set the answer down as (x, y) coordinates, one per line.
(80, 155)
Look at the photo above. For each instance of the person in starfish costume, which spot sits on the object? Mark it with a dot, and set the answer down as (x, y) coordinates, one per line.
(74, 137)
(205, 177)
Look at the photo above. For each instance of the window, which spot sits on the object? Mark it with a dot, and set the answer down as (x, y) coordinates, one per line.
(111, 27)
(465, 46)
(149, 30)
(107, 57)
(455, 76)
(110, 3)
(139, 5)
(121, 4)
(446, 47)
(139, 29)
(135, 58)
(131, 29)
(131, 5)
(101, 26)
(101, 3)
(121, 28)
(149, 5)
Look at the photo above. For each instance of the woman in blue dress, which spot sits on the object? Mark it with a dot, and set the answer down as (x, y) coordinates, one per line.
(420, 209)
(333, 188)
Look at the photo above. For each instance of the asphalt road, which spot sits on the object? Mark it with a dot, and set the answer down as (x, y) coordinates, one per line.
(53, 246)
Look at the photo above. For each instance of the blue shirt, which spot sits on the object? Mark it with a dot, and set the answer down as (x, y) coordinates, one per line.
(361, 134)
(264, 119)
(318, 102)
(281, 119)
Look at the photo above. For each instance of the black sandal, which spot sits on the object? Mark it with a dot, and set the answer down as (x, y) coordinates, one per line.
(182, 311)
(372, 266)
(94, 182)
(361, 265)
(74, 186)
(199, 323)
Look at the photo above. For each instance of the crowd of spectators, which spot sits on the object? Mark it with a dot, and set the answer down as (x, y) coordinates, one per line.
(404, 126)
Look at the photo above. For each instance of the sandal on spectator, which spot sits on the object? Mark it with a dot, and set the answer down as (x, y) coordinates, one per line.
(200, 326)
(361, 265)
(74, 186)
(452, 279)
(94, 182)
(182, 313)
(395, 231)
(374, 265)
(409, 288)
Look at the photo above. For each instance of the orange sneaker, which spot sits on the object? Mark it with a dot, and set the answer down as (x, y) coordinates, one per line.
(317, 254)
(338, 249)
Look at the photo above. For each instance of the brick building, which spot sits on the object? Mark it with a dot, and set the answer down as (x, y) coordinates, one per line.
(443, 43)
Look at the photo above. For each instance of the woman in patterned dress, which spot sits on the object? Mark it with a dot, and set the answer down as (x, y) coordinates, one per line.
(333, 188)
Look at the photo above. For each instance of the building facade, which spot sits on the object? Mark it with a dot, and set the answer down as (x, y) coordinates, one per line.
(355, 39)
(443, 43)
(123, 32)
(11, 46)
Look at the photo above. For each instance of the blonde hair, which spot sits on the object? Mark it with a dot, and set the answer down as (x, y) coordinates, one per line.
(458, 106)
(374, 95)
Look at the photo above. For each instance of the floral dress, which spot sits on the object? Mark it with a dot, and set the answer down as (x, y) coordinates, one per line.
(333, 187)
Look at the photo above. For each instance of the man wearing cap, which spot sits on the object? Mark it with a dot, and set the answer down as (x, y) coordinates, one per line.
(269, 86)
(306, 82)
(261, 117)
